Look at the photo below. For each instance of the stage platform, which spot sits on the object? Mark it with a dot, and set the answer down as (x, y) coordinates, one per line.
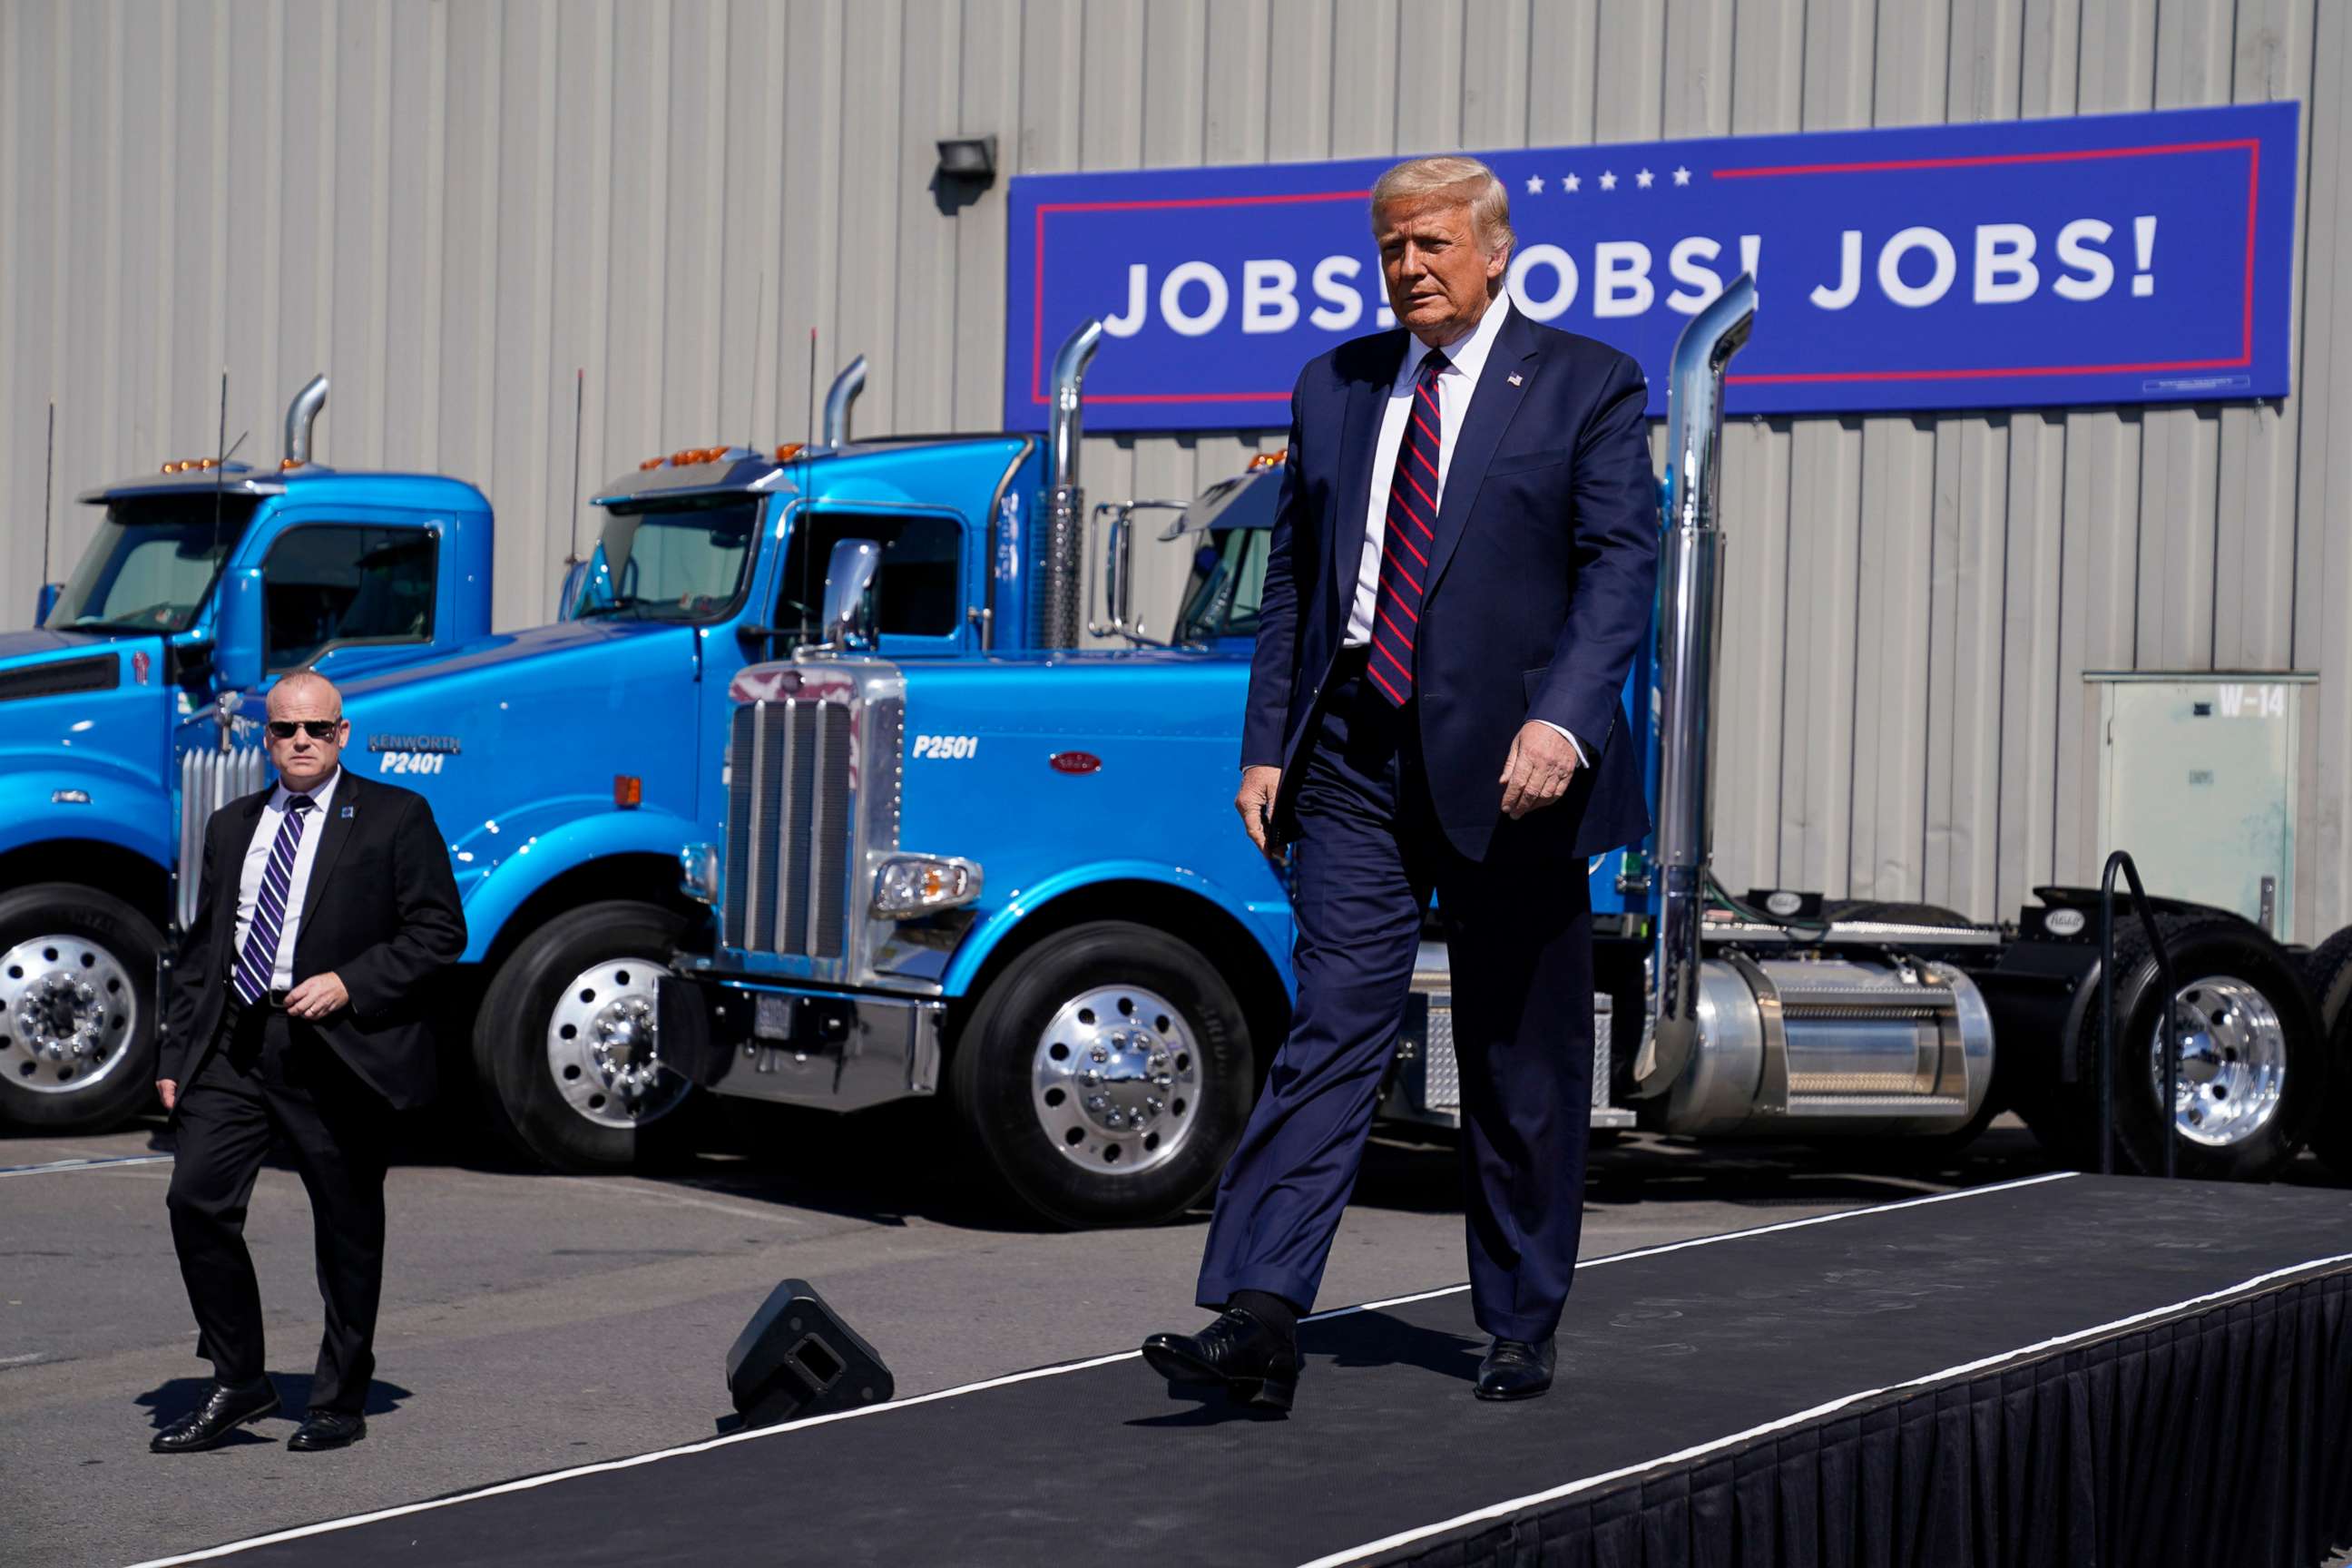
(2071, 1370)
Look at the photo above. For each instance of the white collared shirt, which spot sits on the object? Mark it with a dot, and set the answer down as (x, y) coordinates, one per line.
(1457, 382)
(1455, 385)
(257, 862)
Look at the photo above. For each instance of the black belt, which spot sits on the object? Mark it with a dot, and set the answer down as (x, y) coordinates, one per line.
(272, 1001)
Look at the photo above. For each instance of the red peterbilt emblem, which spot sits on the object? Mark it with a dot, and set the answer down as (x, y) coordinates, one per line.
(1075, 762)
(140, 664)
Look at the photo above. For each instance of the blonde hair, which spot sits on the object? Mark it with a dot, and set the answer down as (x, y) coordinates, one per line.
(1468, 179)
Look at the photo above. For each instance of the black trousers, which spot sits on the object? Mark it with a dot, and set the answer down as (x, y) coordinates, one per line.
(270, 1075)
(1519, 929)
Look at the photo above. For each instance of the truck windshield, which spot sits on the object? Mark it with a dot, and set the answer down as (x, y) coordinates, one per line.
(683, 562)
(1228, 579)
(151, 564)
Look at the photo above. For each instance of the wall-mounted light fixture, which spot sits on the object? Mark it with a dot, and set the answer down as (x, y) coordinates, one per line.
(967, 159)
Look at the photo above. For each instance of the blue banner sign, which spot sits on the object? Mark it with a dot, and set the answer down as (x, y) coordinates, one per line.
(2103, 259)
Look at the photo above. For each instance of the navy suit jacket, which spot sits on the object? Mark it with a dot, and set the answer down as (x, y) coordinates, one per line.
(1539, 586)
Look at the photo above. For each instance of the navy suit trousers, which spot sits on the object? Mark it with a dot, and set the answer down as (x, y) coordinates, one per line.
(1518, 929)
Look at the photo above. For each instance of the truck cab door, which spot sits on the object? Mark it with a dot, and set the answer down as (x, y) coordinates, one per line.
(926, 594)
(350, 590)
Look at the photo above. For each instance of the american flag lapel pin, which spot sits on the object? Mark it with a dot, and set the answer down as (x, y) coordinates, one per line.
(349, 812)
(1515, 378)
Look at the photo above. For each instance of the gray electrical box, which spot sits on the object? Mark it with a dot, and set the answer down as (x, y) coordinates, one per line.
(2198, 780)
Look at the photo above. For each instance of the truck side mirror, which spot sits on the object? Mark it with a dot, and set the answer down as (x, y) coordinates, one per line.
(238, 631)
(849, 576)
(47, 601)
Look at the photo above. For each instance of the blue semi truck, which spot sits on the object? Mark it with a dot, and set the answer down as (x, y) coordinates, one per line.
(1014, 881)
(129, 712)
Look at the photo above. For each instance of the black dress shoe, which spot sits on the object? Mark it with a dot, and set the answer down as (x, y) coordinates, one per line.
(1515, 1369)
(225, 1410)
(323, 1429)
(1258, 1364)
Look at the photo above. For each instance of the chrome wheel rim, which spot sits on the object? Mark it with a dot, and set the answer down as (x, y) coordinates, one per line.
(603, 1051)
(1116, 1080)
(2232, 1062)
(68, 1014)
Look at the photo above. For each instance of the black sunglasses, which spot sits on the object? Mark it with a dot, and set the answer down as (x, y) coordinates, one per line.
(320, 729)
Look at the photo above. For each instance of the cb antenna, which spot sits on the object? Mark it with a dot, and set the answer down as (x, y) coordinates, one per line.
(578, 404)
(759, 352)
(220, 459)
(48, 479)
(812, 390)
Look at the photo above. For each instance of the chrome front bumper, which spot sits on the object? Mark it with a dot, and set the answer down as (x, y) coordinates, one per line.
(843, 1050)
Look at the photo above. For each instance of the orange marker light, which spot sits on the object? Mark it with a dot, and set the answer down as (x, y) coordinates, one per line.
(787, 451)
(1267, 461)
(628, 791)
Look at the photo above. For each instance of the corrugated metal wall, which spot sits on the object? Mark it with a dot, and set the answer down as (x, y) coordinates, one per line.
(453, 207)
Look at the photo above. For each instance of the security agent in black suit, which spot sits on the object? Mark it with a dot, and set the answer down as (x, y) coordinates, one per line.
(298, 1009)
(1461, 571)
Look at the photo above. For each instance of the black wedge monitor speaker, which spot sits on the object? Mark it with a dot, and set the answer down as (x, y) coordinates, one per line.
(796, 1358)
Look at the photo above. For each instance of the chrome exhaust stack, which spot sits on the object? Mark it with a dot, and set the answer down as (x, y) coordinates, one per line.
(1689, 615)
(837, 399)
(300, 414)
(1061, 593)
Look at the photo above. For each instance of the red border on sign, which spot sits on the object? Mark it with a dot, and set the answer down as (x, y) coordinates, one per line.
(2251, 146)
(2253, 151)
(1037, 302)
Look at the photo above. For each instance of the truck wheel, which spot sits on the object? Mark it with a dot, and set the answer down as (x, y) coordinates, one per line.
(2327, 969)
(2253, 1067)
(1106, 1075)
(565, 1038)
(76, 1008)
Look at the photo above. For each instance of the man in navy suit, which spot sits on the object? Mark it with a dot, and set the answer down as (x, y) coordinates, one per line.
(1462, 568)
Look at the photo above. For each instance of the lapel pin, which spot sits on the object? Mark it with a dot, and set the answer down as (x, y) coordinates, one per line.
(1515, 378)
(347, 811)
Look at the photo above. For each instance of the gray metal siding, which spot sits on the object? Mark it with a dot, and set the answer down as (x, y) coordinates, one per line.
(469, 212)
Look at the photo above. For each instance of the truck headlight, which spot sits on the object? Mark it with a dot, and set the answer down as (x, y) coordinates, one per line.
(698, 868)
(907, 886)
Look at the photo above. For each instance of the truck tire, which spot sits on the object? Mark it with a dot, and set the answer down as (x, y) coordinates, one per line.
(1105, 1022)
(565, 1043)
(2327, 970)
(2251, 1050)
(77, 1011)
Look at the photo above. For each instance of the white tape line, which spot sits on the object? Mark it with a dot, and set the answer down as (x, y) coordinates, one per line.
(55, 1167)
(603, 1467)
(1683, 1455)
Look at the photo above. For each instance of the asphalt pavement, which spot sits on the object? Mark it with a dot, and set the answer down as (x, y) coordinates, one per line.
(532, 1322)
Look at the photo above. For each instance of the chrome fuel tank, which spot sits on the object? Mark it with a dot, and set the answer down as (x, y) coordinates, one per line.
(1797, 1046)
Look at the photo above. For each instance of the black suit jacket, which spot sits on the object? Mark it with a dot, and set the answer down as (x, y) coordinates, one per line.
(1539, 588)
(381, 911)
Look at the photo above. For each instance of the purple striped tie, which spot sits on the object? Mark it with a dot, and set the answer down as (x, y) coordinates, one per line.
(259, 958)
(1406, 534)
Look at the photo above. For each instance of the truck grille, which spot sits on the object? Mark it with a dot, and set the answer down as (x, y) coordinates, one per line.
(787, 827)
(209, 779)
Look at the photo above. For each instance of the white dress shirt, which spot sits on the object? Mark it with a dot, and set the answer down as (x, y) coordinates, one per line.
(256, 861)
(1457, 382)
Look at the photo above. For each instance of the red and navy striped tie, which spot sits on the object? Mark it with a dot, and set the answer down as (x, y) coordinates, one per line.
(257, 963)
(1410, 529)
